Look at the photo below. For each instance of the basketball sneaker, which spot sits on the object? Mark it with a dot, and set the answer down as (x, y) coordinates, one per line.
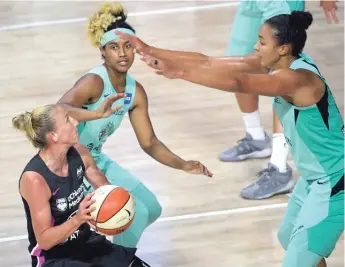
(271, 182)
(247, 148)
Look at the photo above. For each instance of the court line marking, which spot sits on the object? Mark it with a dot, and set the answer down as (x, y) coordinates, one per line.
(130, 14)
(185, 217)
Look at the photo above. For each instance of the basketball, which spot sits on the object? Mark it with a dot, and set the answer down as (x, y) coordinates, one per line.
(115, 210)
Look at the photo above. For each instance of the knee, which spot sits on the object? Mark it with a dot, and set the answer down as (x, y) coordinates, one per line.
(154, 210)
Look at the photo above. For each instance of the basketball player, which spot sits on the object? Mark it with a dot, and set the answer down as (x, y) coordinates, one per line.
(90, 101)
(312, 124)
(277, 178)
(51, 187)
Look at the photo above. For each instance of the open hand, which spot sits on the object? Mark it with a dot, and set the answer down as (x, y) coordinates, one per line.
(195, 167)
(107, 109)
(329, 8)
(140, 47)
(168, 69)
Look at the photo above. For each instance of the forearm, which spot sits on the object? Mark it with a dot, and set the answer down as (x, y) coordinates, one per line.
(163, 155)
(81, 114)
(175, 55)
(219, 78)
(57, 234)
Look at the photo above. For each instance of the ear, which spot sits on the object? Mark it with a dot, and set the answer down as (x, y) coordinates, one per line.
(53, 137)
(284, 49)
(101, 49)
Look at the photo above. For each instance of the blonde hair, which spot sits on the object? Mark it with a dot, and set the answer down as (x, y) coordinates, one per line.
(36, 124)
(102, 19)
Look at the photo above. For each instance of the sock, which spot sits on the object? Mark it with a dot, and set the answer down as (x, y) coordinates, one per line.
(253, 126)
(280, 151)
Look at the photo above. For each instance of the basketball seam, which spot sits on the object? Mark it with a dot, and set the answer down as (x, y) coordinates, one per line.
(129, 196)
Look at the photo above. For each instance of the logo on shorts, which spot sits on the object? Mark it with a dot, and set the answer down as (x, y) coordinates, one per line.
(61, 204)
(80, 172)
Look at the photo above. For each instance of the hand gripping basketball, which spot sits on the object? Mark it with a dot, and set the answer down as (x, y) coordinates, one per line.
(114, 210)
(85, 208)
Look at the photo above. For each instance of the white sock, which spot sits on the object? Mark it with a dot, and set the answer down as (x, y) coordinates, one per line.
(280, 151)
(253, 126)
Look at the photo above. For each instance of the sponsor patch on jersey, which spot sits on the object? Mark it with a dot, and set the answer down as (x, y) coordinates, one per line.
(128, 98)
(61, 204)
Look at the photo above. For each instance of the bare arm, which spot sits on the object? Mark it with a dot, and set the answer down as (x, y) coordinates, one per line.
(92, 173)
(36, 192)
(277, 83)
(88, 90)
(148, 141)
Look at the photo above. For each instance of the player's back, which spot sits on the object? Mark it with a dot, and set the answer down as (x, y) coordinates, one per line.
(314, 133)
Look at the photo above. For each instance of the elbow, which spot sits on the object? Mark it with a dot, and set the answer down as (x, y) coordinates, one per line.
(149, 146)
(44, 244)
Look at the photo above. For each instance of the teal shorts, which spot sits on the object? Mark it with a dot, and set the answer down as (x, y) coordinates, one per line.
(248, 20)
(115, 174)
(314, 220)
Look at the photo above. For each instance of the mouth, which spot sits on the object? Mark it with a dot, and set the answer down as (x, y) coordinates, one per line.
(123, 63)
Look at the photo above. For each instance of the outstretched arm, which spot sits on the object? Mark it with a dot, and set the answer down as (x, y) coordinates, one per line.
(88, 90)
(149, 142)
(276, 83)
(250, 63)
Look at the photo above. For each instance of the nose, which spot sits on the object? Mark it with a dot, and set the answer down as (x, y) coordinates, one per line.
(256, 46)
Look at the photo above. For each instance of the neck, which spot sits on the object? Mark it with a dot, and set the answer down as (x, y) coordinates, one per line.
(118, 79)
(55, 157)
(284, 62)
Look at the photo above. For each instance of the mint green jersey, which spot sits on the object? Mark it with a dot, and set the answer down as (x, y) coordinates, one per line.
(93, 134)
(314, 133)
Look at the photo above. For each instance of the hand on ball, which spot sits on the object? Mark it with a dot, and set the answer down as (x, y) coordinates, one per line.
(83, 213)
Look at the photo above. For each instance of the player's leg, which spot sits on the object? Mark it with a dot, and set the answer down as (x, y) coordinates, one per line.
(148, 208)
(277, 178)
(319, 225)
(295, 203)
(243, 36)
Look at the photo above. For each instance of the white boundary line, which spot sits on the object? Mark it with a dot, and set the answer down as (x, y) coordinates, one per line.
(185, 217)
(130, 14)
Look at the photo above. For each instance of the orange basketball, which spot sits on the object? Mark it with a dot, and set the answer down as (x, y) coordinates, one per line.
(115, 210)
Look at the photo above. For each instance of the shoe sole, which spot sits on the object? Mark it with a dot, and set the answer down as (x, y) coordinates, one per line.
(286, 189)
(265, 153)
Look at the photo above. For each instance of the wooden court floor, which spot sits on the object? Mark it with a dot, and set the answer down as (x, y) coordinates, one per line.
(205, 223)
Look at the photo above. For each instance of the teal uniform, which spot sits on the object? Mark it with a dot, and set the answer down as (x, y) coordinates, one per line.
(93, 134)
(314, 219)
(250, 16)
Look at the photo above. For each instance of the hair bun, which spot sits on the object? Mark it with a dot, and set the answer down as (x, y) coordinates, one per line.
(301, 20)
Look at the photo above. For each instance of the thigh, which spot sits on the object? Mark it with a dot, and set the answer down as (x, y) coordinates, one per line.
(115, 174)
(107, 254)
(321, 217)
(297, 5)
(244, 34)
(295, 203)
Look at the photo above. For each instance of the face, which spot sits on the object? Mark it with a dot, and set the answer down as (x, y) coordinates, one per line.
(267, 47)
(66, 128)
(119, 55)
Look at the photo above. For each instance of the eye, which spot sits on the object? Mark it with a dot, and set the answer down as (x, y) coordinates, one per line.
(129, 45)
(113, 47)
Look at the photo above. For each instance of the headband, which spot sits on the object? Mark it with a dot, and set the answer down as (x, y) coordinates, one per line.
(111, 35)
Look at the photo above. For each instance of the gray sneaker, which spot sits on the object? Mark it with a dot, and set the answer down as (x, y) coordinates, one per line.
(248, 148)
(270, 183)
